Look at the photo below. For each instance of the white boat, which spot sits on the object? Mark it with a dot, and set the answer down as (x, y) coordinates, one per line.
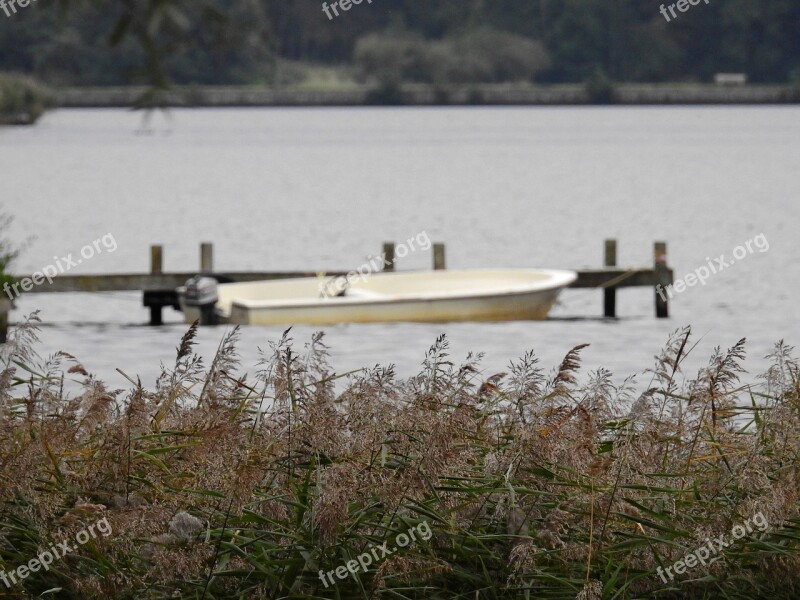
(428, 296)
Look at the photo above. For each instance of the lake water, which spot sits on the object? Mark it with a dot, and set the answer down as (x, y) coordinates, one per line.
(322, 189)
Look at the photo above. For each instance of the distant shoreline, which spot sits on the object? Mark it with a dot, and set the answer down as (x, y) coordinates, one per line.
(421, 95)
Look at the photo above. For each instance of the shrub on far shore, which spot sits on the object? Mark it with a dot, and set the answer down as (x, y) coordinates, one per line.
(482, 55)
(600, 89)
(22, 100)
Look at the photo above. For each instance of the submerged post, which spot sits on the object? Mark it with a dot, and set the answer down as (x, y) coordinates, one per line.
(388, 255)
(438, 257)
(156, 268)
(206, 257)
(663, 279)
(610, 293)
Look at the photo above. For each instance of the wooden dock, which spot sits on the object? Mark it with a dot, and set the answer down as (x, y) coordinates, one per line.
(159, 288)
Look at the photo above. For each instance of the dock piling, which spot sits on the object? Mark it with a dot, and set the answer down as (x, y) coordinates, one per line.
(663, 279)
(388, 254)
(5, 308)
(438, 257)
(156, 268)
(610, 293)
(206, 257)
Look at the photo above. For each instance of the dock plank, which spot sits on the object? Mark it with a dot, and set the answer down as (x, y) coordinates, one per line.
(154, 282)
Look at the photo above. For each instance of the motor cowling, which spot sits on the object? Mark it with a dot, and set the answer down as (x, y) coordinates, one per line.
(201, 292)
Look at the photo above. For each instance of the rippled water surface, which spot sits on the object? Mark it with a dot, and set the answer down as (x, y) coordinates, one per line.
(321, 189)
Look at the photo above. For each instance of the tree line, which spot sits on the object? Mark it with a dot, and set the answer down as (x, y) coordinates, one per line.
(105, 42)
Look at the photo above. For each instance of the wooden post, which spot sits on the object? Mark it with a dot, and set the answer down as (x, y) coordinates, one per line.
(5, 308)
(663, 279)
(388, 254)
(610, 293)
(438, 257)
(156, 260)
(156, 268)
(206, 257)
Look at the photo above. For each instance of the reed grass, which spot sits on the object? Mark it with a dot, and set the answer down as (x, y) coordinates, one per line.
(535, 484)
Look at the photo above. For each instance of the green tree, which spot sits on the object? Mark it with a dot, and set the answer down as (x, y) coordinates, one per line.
(238, 41)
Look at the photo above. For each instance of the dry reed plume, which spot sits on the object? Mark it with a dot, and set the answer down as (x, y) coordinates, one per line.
(535, 485)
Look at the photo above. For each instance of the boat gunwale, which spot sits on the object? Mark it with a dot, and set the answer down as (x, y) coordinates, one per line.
(557, 280)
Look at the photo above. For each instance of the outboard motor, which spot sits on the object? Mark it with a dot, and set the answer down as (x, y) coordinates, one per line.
(201, 292)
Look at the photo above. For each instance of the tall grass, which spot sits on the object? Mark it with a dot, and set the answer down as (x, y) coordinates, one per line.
(536, 485)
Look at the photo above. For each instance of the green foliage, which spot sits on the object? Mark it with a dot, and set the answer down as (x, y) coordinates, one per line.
(489, 56)
(477, 56)
(239, 41)
(389, 57)
(154, 42)
(389, 92)
(22, 101)
(600, 89)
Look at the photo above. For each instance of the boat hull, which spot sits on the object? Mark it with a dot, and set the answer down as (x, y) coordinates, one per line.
(395, 297)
